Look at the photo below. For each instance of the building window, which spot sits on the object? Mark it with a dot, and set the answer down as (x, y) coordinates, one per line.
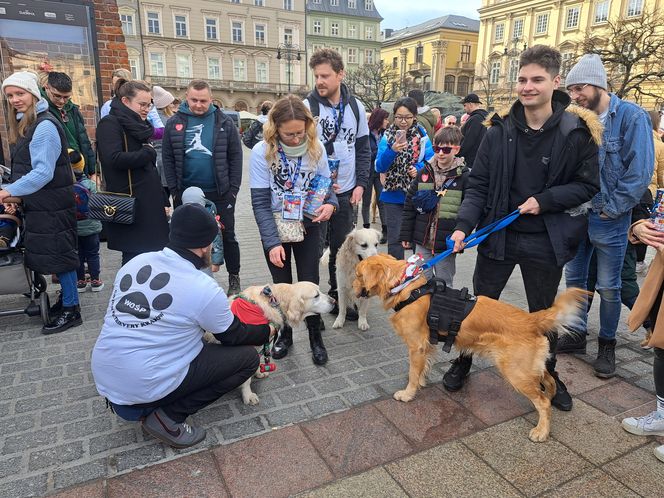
(517, 32)
(601, 12)
(214, 68)
(368, 32)
(419, 53)
(465, 53)
(352, 4)
(566, 63)
(334, 29)
(352, 56)
(572, 18)
(237, 32)
(261, 71)
(260, 34)
(127, 24)
(184, 65)
(542, 24)
(157, 67)
(500, 32)
(154, 24)
(317, 1)
(395, 62)
(368, 56)
(352, 31)
(334, 3)
(463, 85)
(288, 36)
(235, 1)
(288, 4)
(513, 71)
(259, 3)
(449, 83)
(317, 28)
(211, 29)
(134, 68)
(239, 70)
(368, 5)
(634, 8)
(494, 75)
(181, 26)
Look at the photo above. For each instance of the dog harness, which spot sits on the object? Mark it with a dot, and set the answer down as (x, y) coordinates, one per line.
(448, 308)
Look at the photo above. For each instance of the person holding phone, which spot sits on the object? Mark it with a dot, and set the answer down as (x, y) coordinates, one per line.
(402, 151)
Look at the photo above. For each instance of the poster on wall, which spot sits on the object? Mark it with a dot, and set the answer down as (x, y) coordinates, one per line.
(44, 36)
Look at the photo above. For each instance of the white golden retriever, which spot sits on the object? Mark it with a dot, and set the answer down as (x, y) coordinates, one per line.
(294, 302)
(359, 244)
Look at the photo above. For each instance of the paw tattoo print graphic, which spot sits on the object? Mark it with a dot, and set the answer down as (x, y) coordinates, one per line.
(137, 303)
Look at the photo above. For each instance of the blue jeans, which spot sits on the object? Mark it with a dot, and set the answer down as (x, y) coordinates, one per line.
(68, 288)
(608, 238)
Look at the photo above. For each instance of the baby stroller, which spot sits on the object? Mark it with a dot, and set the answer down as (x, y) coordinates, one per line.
(16, 278)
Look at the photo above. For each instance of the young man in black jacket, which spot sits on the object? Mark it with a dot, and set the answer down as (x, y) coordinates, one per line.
(473, 129)
(541, 158)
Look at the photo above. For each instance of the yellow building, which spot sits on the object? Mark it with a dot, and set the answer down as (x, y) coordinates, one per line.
(435, 55)
(507, 27)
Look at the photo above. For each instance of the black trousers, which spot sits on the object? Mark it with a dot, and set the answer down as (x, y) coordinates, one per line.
(128, 256)
(226, 211)
(339, 225)
(537, 261)
(216, 370)
(658, 364)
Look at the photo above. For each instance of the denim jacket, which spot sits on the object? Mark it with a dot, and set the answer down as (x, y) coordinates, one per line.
(626, 158)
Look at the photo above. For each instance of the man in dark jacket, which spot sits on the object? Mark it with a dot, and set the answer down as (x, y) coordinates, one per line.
(473, 129)
(57, 92)
(425, 115)
(541, 158)
(201, 148)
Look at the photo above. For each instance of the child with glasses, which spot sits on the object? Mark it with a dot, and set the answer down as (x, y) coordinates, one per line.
(433, 201)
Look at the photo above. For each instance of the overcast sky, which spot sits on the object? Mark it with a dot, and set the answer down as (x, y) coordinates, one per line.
(402, 13)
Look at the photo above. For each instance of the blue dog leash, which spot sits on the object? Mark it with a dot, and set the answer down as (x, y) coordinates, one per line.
(476, 238)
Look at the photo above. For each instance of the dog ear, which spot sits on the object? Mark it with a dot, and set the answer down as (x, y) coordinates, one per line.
(373, 274)
(295, 313)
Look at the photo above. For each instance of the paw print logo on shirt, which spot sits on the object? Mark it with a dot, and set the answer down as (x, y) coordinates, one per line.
(137, 303)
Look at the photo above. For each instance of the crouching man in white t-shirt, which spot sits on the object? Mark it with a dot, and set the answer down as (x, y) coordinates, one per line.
(149, 361)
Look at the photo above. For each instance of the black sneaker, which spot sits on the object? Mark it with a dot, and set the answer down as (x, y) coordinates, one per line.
(562, 399)
(605, 364)
(162, 427)
(233, 284)
(68, 318)
(574, 342)
(455, 376)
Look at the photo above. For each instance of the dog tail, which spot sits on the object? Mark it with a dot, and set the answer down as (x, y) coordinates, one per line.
(563, 316)
(325, 258)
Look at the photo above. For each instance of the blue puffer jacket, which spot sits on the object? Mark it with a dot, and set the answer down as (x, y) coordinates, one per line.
(626, 158)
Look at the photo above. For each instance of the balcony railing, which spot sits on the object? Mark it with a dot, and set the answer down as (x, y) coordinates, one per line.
(230, 85)
(420, 67)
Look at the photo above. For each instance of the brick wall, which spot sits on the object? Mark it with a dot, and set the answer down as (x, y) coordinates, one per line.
(112, 51)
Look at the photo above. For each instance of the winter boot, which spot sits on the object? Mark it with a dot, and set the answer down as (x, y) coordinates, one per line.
(233, 284)
(318, 351)
(69, 317)
(574, 342)
(455, 376)
(605, 364)
(285, 341)
(383, 238)
(561, 399)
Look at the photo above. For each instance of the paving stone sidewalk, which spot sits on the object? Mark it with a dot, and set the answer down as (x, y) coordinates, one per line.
(58, 433)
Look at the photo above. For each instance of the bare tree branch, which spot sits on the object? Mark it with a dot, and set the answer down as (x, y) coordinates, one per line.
(374, 84)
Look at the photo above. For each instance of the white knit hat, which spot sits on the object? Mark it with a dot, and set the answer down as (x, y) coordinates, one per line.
(161, 97)
(23, 79)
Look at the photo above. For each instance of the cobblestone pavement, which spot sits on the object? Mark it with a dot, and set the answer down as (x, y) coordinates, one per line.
(57, 432)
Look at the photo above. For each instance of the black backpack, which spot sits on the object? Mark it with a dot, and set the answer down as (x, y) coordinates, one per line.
(314, 107)
(253, 135)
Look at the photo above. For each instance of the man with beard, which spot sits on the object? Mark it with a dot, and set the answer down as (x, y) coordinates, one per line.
(473, 129)
(540, 158)
(626, 162)
(343, 129)
(149, 361)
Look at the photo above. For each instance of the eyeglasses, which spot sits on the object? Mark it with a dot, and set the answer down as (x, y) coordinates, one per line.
(56, 96)
(299, 134)
(445, 149)
(576, 89)
(403, 118)
(145, 105)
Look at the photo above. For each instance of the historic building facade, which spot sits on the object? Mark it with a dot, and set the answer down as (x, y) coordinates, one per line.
(435, 55)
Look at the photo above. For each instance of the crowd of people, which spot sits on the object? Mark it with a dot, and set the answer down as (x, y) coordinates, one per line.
(579, 175)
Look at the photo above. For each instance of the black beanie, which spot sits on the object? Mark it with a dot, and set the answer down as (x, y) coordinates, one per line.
(192, 227)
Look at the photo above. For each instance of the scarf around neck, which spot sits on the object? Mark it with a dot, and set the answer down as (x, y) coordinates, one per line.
(397, 175)
(131, 122)
(294, 150)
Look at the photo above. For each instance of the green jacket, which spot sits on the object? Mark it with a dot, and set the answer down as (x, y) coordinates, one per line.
(75, 131)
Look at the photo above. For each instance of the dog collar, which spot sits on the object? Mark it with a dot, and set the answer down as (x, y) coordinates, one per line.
(267, 292)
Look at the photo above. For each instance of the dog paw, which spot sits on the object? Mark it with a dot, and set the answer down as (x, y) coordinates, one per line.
(538, 435)
(338, 323)
(261, 375)
(362, 324)
(404, 395)
(252, 399)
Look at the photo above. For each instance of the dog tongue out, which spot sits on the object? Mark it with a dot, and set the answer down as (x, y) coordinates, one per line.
(247, 312)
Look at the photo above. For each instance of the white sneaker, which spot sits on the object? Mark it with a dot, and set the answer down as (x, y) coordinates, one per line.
(650, 425)
(659, 453)
(641, 267)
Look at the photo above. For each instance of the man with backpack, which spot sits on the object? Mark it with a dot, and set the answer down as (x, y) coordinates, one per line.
(255, 132)
(343, 129)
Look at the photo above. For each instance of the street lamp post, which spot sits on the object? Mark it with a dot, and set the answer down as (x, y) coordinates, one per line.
(289, 52)
(510, 54)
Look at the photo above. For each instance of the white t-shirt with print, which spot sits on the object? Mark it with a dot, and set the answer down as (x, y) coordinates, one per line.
(261, 175)
(153, 328)
(344, 143)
